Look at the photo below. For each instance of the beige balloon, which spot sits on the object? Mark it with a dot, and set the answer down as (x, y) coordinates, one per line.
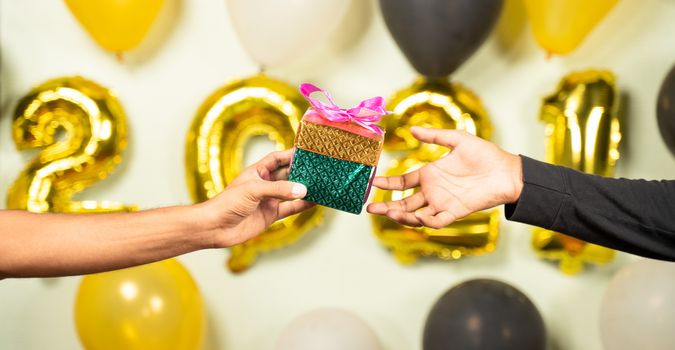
(328, 329)
(638, 310)
(273, 32)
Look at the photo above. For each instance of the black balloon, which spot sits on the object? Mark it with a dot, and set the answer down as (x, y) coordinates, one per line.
(665, 110)
(437, 36)
(484, 314)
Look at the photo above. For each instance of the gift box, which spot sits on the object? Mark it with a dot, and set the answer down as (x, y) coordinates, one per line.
(337, 150)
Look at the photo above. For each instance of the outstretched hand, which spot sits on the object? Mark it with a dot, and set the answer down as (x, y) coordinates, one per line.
(258, 197)
(46, 245)
(475, 175)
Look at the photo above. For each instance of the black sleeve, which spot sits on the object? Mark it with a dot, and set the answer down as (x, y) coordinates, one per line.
(634, 216)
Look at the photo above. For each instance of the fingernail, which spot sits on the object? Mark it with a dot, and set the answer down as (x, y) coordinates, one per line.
(298, 190)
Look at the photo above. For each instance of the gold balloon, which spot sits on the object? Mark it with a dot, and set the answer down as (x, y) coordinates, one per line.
(582, 131)
(116, 25)
(561, 25)
(433, 103)
(223, 125)
(154, 306)
(81, 128)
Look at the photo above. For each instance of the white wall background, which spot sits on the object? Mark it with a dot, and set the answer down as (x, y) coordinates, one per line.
(193, 50)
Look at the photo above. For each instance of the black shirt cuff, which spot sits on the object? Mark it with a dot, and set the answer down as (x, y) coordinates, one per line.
(543, 195)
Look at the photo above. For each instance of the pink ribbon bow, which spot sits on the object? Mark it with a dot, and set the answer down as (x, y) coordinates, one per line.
(366, 114)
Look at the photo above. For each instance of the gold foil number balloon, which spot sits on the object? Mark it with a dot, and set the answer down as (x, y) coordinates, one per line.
(582, 130)
(439, 104)
(215, 151)
(81, 129)
(154, 306)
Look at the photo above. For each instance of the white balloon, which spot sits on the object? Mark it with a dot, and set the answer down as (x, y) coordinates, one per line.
(275, 31)
(328, 329)
(638, 309)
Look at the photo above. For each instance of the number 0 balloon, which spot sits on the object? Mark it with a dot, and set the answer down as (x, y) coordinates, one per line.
(224, 123)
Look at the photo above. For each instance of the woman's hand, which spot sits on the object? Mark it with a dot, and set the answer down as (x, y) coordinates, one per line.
(258, 197)
(476, 175)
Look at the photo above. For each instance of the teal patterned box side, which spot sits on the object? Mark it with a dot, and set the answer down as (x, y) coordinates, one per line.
(332, 182)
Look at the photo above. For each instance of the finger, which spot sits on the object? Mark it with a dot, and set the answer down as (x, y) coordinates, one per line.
(410, 203)
(293, 207)
(443, 137)
(275, 189)
(265, 168)
(404, 218)
(439, 220)
(427, 211)
(379, 208)
(398, 183)
(280, 174)
(272, 162)
(245, 175)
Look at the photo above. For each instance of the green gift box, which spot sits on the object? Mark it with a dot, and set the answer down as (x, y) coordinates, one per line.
(332, 182)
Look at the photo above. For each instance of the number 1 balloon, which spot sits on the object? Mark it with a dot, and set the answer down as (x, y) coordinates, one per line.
(582, 130)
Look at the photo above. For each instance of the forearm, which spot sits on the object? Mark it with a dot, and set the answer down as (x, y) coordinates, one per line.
(41, 245)
(635, 216)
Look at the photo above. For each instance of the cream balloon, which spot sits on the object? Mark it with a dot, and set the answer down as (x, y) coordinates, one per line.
(638, 310)
(328, 329)
(273, 32)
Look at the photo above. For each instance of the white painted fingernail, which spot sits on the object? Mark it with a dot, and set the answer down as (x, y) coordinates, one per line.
(298, 190)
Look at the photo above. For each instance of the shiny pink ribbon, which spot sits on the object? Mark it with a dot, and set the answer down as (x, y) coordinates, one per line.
(366, 114)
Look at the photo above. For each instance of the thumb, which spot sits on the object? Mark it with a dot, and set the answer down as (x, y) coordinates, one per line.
(444, 137)
(284, 190)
